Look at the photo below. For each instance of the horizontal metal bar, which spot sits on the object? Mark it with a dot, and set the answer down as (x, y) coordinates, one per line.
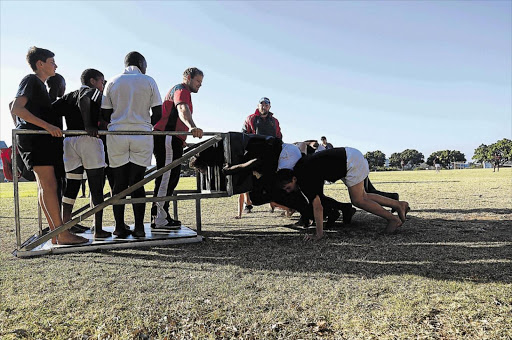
(215, 139)
(103, 132)
(171, 198)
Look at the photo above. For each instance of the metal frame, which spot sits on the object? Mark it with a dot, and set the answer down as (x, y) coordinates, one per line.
(28, 248)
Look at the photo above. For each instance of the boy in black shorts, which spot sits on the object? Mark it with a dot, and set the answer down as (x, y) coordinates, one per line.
(40, 153)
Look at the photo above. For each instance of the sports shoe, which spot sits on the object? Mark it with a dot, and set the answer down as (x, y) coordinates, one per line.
(332, 218)
(171, 224)
(247, 209)
(347, 215)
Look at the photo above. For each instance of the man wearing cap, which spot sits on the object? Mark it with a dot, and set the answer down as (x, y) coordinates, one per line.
(261, 122)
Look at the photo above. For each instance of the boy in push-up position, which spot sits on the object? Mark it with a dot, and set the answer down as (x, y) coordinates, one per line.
(349, 165)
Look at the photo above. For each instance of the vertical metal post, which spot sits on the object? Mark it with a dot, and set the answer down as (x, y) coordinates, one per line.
(16, 193)
(198, 215)
(175, 209)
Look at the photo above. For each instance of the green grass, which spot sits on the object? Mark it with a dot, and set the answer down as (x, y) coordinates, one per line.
(446, 275)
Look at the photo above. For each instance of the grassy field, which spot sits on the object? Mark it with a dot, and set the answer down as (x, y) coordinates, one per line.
(446, 275)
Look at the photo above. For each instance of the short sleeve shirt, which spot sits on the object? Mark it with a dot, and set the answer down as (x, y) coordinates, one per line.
(38, 102)
(170, 121)
(131, 95)
(69, 107)
(311, 171)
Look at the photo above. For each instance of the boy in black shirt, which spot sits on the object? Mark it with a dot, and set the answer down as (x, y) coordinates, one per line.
(40, 153)
(81, 108)
(349, 165)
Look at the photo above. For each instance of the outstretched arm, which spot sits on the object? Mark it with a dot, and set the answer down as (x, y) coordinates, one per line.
(186, 117)
(249, 165)
(318, 213)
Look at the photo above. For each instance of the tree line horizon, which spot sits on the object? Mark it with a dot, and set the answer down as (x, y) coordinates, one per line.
(501, 151)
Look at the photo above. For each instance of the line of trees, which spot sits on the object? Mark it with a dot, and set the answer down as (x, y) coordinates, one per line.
(488, 153)
(411, 157)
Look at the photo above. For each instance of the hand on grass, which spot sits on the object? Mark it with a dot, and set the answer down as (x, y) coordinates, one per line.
(313, 238)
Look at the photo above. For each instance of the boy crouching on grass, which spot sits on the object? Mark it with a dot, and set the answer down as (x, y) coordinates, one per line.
(349, 165)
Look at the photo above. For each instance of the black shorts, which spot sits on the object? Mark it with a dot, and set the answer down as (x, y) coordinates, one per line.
(41, 150)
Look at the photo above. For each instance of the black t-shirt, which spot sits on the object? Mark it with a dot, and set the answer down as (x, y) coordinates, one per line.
(313, 170)
(265, 126)
(38, 103)
(69, 107)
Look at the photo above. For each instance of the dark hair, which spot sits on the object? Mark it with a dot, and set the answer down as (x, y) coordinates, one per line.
(198, 164)
(55, 81)
(56, 85)
(323, 137)
(133, 59)
(35, 54)
(192, 72)
(88, 74)
(283, 177)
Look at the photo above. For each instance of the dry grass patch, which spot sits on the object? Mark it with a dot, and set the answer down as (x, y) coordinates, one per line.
(446, 275)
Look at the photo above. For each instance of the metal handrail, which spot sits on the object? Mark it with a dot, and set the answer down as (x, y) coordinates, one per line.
(112, 200)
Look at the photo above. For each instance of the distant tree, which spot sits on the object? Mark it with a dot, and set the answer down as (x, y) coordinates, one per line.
(446, 157)
(395, 159)
(411, 156)
(485, 153)
(503, 148)
(482, 154)
(375, 158)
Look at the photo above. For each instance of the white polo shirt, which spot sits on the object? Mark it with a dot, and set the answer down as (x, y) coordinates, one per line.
(131, 95)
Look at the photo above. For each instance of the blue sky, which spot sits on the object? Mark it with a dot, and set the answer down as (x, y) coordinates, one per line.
(374, 75)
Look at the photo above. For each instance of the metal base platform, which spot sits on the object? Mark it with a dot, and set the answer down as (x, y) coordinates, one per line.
(154, 237)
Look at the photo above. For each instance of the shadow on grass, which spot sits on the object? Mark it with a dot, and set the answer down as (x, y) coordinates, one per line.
(467, 211)
(415, 182)
(473, 250)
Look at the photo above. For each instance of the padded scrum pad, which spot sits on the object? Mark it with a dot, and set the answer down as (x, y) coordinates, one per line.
(242, 181)
(248, 146)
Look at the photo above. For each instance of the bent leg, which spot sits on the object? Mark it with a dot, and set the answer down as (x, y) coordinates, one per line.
(373, 204)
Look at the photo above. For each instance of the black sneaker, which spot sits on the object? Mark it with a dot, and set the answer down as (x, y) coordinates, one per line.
(332, 218)
(348, 214)
(248, 209)
(171, 224)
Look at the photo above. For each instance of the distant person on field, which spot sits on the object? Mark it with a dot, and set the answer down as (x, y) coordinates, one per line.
(126, 103)
(41, 153)
(176, 115)
(325, 144)
(497, 160)
(437, 165)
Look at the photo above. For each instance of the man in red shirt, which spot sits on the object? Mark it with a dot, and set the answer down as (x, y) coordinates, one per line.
(261, 122)
(176, 116)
